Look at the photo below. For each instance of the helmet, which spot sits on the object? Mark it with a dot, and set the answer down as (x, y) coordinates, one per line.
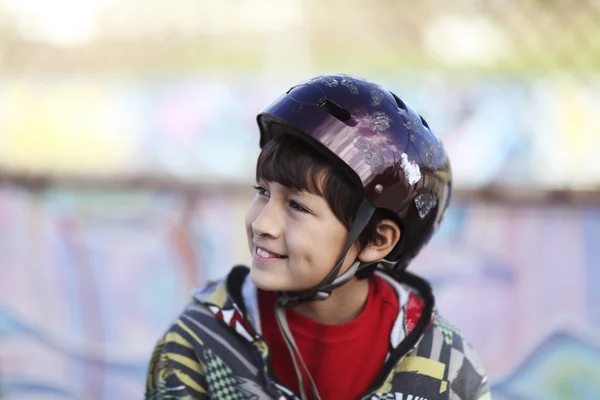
(384, 146)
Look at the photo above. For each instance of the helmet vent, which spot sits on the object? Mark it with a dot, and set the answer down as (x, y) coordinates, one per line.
(335, 110)
(424, 123)
(399, 102)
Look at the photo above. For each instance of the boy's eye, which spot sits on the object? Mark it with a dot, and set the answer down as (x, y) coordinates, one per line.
(297, 207)
(261, 190)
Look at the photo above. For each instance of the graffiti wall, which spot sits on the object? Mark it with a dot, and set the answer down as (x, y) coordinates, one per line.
(89, 281)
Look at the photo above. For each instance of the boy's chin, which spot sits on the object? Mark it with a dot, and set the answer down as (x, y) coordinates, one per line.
(263, 280)
(270, 281)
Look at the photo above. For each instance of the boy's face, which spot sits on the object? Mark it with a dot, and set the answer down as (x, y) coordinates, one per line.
(294, 238)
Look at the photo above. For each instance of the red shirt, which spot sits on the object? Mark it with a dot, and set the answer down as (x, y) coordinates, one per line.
(344, 359)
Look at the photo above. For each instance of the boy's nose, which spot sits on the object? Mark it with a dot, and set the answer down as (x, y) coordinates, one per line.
(267, 223)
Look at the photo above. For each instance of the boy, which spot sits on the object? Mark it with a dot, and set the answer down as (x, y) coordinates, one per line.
(351, 184)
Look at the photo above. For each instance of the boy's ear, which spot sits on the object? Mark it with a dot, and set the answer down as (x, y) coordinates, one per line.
(387, 236)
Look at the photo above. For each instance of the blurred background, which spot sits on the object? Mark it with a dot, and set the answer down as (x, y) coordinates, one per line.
(127, 150)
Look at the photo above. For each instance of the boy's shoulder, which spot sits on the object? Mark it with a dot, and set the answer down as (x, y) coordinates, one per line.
(202, 316)
(445, 354)
(209, 289)
(219, 291)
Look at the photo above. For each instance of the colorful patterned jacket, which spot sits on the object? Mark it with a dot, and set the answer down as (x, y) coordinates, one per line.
(215, 351)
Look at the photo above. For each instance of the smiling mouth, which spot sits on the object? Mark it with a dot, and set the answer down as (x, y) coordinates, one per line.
(264, 254)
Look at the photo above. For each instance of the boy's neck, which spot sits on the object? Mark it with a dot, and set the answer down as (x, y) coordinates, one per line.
(343, 305)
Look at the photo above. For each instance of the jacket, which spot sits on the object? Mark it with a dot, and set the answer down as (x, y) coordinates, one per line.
(214, 350)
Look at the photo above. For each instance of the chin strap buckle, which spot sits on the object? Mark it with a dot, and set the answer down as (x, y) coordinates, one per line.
(291, 299)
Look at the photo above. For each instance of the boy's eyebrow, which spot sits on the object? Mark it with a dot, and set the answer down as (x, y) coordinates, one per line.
(295, 191)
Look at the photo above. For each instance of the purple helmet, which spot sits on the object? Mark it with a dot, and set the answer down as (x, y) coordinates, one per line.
(383, 145)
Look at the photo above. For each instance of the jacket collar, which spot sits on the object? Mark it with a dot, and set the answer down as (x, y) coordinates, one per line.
(236, 292)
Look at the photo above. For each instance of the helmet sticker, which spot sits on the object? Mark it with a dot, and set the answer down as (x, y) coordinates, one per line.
(412, 172)
(379, 121)
(411, 122)
(329, 81)
(349, 83)
(376, 97)
(433, 154)
(425, 203)
(371, 152)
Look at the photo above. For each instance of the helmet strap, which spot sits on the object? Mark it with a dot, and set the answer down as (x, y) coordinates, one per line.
(323, 290)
